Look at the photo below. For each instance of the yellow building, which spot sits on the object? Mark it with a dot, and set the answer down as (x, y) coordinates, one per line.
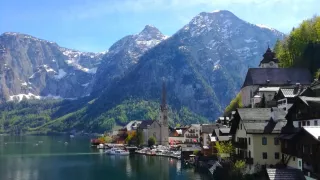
(255, 135)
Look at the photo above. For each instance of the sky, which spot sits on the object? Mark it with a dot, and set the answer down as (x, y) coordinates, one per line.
(94, 25)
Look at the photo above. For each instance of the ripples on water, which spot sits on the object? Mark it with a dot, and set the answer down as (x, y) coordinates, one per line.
(51, 159)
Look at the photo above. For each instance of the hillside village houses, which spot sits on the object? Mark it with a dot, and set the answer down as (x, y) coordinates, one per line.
(278, 127)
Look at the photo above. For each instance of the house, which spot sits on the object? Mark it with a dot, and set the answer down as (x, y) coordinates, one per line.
(192, 135)
(144, 128)
(205, 132)
(205, 138)
(301, 150)
(285, 96)
(176, 136)
(268, 77)
(255, 135)
(305, 111)
(132, 125)
(222, 134)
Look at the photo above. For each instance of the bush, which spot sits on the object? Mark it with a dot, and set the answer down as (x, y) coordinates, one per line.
(151, 141)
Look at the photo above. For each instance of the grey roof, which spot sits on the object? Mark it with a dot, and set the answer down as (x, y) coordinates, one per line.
(277, 76)
(291, 92)
(208, 128)
(308, 100)
(260, 120)
(144, 124)
(225, 130)
(285, 174)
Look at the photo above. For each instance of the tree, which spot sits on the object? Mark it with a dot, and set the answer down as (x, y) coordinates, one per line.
(131, 137)
(151, 141)
(107, 139)
(224, 149)
(139, 137)
(239, 166)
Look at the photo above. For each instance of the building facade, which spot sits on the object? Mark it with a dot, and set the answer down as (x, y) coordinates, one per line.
(255, 135)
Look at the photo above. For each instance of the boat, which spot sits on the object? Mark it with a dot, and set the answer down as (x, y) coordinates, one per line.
(108, 151)
(100, 146)
(120, 152)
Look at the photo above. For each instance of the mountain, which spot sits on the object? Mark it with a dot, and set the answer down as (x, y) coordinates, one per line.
(125, 54)
(33, 68)
(203, 65)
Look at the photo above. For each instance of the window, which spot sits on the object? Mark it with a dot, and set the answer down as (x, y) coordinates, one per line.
(294, 158)
(299, 163)
(276, 155)
(264, 141)
(316, 122)
(299, 124)
(303, 123)
(308, 123)
(249, 154)
(264, 155)
(249, 141)
(276, 141)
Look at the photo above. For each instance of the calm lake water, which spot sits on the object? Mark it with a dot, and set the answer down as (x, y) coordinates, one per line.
(48, 158)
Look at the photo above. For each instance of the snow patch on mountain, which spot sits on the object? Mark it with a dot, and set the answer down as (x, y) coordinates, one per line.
(74, 58)
(61, 74)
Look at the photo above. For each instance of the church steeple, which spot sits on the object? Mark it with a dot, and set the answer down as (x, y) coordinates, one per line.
(164, 97)
(269, 60)
(163, 118)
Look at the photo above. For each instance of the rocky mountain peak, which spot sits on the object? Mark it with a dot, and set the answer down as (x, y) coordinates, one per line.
(150, 32)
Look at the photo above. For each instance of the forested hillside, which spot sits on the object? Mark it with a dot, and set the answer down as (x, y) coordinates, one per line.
(301, 48)
(55, 116)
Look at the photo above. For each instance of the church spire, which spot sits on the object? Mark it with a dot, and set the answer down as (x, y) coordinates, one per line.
(164, 96)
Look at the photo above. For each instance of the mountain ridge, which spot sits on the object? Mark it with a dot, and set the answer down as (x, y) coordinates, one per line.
(203, 65)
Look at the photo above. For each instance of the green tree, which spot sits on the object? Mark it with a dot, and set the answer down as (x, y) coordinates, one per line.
(239, 166)
(151, 141)
(224, 149)
(234, 104)
(139, 140)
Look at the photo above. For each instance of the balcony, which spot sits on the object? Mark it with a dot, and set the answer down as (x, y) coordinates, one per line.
(240, 144)
(192, 136)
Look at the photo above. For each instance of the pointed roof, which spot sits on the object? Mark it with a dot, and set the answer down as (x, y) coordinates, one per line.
(269, 56)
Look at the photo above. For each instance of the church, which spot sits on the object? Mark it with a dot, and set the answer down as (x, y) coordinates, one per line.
(157, 128)
(269, 78)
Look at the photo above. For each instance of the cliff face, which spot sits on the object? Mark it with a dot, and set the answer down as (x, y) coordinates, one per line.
(203, 64)
(34, 68)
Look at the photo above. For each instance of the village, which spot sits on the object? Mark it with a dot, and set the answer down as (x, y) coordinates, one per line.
(277, 129)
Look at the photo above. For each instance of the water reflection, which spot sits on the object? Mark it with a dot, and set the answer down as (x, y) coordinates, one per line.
(52, 160)
(128, 167)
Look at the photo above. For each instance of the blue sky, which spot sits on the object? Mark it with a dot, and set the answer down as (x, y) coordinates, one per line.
(94, 25)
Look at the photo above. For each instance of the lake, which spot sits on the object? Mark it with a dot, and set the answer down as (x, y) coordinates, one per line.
(49, 158)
